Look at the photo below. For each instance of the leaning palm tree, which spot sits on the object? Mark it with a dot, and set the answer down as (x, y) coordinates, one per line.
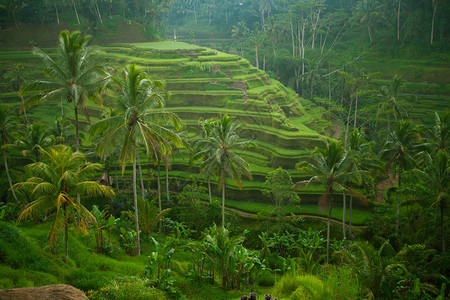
(221, 158)
(331, 168)
(7, 125)
(57, 180)
(73, 76)
(399, 150)
(140, 119)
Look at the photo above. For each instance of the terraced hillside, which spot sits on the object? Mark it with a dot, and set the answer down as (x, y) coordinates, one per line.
(205, 83)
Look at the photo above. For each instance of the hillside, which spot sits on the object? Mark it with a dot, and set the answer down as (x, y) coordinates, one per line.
(205, 83)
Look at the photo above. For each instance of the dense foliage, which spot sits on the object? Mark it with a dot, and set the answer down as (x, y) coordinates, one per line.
(397, 172)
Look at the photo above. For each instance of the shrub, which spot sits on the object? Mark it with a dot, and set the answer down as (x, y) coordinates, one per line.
(124, 288)
(84, 280)
(266, 278)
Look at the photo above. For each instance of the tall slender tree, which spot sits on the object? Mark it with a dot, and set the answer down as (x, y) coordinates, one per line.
(330, 167)
(7, 126)
(74, 75)
(140, 119)
(221, 157)
(399, 150)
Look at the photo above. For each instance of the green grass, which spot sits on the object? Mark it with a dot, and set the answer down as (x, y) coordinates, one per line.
(359, 217)
(167, 45)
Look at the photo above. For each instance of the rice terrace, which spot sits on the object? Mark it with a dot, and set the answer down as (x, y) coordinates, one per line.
(222, 149)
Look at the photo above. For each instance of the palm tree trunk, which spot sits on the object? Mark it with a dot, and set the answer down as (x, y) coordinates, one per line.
(136, 212)
(167, 183)
(140, 176)
(223, 204)
(256, 57)
(56, 9)
(328, 231)
(76, 12)
(398, 20)
(77, 147)
(115, 173)
(343, 216)
(442, 227)
(432, 22)
(398, 202)
(209, 190)
(24, 111)
(9, 176)
(159, 193)
(66, 235)
(98, 12)
(370, 35)
(350, 233)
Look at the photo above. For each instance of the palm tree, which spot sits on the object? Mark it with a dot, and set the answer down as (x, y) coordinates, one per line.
(56, 180)
(207, 127)
(240, 32)
(36, 136)
(437, 174)
(393, 98)
(399, 149)
(140, 120)
(7, 126)
(439, 134)
(367, 12)
(363, 161)
(330, 167)
(74, 75)
(221, 159)
(371, 268)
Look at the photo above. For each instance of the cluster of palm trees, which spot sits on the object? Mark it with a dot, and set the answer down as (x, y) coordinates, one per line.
(136, 122)
(341, 167)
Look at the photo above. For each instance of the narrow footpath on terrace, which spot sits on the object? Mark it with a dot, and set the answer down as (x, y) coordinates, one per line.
(249, 215)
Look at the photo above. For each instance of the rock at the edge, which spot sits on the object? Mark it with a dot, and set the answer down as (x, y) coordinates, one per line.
(48, 292)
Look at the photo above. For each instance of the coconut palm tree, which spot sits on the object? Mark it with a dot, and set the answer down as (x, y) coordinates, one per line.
(207, 127)
(54, 185)
(240, 32)
(221, 158)
(140, 119)
(36, 136)
(393, 99)
(399, 150)
(364, 161)
(368, 11)
(439, 134)
(73, 76)
(7, 126)
(437, 173)
(330, 167)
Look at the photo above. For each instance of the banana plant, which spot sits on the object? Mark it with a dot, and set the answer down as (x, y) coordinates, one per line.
(104, 223)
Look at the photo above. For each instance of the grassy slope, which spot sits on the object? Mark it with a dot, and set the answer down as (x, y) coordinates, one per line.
(26, 262)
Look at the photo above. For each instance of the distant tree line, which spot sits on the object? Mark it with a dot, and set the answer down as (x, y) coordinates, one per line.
(15, 12)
